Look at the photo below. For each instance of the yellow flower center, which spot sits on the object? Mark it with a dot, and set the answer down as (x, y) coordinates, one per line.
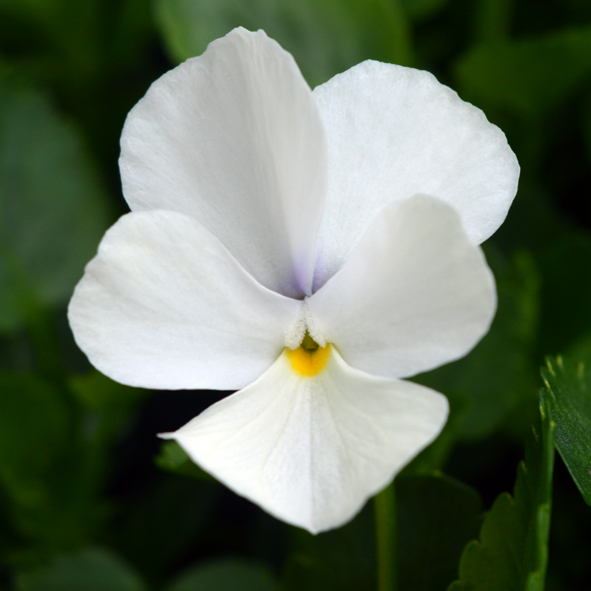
(309, 358)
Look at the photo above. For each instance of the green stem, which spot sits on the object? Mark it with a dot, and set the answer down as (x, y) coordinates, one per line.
(386, 539)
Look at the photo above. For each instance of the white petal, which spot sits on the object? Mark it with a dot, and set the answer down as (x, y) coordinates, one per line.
(234, 139)
(415, 293)
(394, 132)
(164, 305)
(311, 451)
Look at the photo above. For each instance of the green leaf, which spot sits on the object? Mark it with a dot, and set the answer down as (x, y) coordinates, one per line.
(340, 560)
(529, 76)
(422, 9)
(179, 510)
(34, 426)
(437, 517)
(493, 19)
(325, 36)
(93, 569)
(71, 45)
(112, 403)
(66, 31)
(133, 29)
(512, 552)
(50, 474)
(52, 207)
(568, 389)
(230, 574)
(173, 458)
(566, 313)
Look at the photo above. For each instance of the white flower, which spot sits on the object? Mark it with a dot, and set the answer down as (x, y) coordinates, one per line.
(265, 214)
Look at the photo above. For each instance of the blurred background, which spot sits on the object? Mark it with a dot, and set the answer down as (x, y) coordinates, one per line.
(88, 498)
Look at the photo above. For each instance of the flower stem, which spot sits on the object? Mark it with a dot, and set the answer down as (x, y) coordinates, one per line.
(386, 538)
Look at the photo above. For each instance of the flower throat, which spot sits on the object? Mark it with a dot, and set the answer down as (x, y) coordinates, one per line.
(309, 358)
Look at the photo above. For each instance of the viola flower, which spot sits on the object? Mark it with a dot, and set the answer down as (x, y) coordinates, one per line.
(307, 248)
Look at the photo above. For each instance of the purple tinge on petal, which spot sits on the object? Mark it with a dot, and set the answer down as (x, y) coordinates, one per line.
(234, 139)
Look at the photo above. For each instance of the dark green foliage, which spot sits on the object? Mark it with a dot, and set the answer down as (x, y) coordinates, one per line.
(83, 504)
(516, 75)
(109, 403)
(93, 569)
(343, 559)
(325, 36)
(34, 423)
(174, 459)
(437, 517)
(568, 390)
(512, 551)
(50, 193)
(226, 575)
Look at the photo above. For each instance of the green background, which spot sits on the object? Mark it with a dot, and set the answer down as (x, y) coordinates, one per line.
(84, 504)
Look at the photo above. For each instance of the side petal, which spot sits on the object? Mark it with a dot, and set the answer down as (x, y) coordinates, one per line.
(164, 305)
(311, 451)
(394, 132)
(414, 294)
(234, 139)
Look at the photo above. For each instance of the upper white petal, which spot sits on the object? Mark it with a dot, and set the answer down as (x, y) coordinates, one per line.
(234, 138)
(414, 294)
(311, 451)
(394, 132)
(165, 305)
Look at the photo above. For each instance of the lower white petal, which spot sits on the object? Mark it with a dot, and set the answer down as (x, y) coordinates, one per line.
(312, 450)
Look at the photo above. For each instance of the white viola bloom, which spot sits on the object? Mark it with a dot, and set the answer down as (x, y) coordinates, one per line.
(307, 248)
